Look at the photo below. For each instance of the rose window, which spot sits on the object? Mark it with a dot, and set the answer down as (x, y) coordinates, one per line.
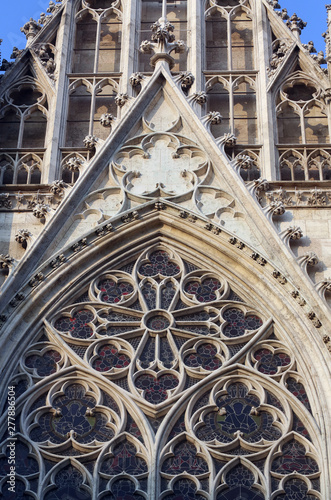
(161, 361)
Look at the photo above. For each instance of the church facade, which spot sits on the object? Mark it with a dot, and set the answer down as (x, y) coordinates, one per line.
(165, 254)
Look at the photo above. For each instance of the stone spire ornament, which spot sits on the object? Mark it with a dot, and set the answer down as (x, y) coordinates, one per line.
(162, 41)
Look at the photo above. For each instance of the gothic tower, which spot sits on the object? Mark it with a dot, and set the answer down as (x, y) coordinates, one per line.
(165, 203)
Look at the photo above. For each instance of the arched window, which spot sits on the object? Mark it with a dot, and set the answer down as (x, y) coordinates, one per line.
(91, 110)
(10, 122)
(235, 100)
(78, 123)
(244, 112)
(34, 131)
(160, 378)
(23, 119)
(301, 118)
(98, 38)
(229, 36)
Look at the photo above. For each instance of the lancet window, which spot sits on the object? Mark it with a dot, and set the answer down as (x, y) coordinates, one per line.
(92, 109)
(159, 379)
(302, 120)
(23, 118)
(235, 99)
(98, 37)
(229, 35)
(23, 124)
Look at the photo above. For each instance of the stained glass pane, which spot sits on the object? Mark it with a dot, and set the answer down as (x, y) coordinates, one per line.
(73, 414)
(205, 357)
(124, 459)
(294, 459)
(68, 485)
(109, 357)
(295, 489)
(44, 364)
(112, 292)
(269, 361)
(238, 412)
(238, 323)
(155, 388)
(159, 263)
(77, 326)
(184, 489)
(203, 291)
(185, 459)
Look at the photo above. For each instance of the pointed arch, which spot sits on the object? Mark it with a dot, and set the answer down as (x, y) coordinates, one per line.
(99, 321)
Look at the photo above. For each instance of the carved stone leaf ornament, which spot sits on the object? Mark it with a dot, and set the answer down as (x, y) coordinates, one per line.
(160, 166)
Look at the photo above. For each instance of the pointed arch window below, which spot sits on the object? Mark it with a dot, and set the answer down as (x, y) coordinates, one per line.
(10, 124)
(85, 44)
(110, 44)
(216, 42)
(34, 132)
(242, 41)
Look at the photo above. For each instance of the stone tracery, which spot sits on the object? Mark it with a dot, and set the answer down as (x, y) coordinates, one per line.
(158, 347)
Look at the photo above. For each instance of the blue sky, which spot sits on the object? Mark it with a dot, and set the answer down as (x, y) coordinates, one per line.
(14, 15)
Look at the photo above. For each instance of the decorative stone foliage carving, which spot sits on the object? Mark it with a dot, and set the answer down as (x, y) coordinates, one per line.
(136, 79)
(23, 237)
(280, 48)
(309, 259)
(178, 362)
(291, 233)
(121, 99)
(274, 208)
(90, 142)
(185, 79)
(106, 119)
(199, 97)
(296, 24)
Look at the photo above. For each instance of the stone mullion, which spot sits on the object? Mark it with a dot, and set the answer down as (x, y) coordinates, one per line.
(265, 105)
(58, 105)
(97, 46)
(231, 105)
(92, 109)
(128, 52)
(229, 42)
(197, 42)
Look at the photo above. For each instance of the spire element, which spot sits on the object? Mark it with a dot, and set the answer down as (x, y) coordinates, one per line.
(162, 40)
